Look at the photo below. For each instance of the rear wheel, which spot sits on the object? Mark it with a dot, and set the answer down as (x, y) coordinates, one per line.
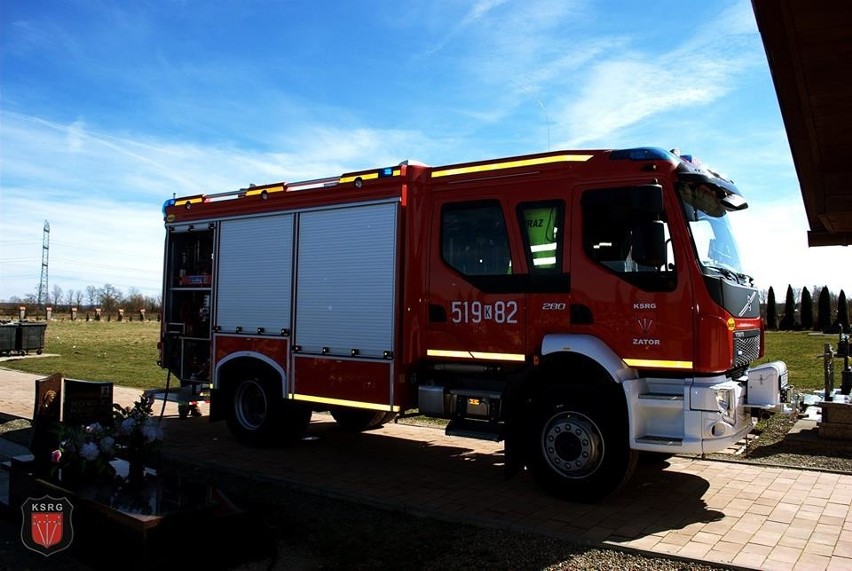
(259, 416)
(578, 446)
(360, 419)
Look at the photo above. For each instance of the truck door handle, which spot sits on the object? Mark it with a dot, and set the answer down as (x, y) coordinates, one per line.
(581, 314)
(437, 313)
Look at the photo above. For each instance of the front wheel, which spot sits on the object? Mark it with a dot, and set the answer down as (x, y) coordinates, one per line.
(259, 416)
(578, 447)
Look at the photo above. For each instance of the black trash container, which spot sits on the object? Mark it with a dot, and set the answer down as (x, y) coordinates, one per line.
(30, 337)
(8, 337)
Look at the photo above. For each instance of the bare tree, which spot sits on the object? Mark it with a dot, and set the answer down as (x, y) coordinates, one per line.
(78, 298)
(69, 298)
(110, 297)
(134, 300)
(152, 303)
(56, 294)
(92, 295)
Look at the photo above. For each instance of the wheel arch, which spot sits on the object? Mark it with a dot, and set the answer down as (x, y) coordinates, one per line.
(570, 367)
(587, 352)
(237, 365)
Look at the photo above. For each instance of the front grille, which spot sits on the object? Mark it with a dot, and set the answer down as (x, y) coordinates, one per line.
(746, 347)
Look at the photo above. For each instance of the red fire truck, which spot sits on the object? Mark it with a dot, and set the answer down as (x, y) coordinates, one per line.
(581, 306)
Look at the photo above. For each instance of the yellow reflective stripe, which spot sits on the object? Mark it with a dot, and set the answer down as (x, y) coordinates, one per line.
(475, 355)
(341, 402)
(658, 364)
(499, 356)
(364, 176)
(189, 200)
(255, 191)
(445, 353)
(511, 164)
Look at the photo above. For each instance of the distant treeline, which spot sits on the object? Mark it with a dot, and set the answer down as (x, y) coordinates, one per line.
(105, 303)
(107, 297)
(823, 311)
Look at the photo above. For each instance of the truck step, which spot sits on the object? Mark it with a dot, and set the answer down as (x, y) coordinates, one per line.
(660, 440)
(481, 430)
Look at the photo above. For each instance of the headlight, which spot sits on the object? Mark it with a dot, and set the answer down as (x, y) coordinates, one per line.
(725, 402)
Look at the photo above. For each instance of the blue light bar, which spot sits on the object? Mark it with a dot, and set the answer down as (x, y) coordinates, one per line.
(642, 154)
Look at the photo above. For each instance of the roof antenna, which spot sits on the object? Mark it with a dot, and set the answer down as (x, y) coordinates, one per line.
(540, 104)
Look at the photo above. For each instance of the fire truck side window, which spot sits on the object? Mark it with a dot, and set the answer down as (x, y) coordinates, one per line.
(541, 224)
(619, 237)
(474, 240)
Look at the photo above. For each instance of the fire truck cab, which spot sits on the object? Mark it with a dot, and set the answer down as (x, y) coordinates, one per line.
(581, 306)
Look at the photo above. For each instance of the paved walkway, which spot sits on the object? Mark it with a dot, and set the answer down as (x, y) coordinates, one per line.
(735, 514)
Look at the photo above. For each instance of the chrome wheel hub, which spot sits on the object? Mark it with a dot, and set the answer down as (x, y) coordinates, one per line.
(573, 445)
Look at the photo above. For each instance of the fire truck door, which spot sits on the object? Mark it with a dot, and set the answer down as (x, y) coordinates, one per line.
(625, 285)
(476, 312)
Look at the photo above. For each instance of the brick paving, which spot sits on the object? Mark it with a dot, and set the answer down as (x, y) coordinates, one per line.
(741, 515)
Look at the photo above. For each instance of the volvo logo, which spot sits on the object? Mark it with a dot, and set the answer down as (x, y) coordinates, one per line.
(747, 307)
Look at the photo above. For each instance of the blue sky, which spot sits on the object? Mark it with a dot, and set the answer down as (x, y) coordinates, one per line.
(109, 108)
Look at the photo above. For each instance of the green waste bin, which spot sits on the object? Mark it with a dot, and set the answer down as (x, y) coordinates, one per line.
(30, 337)
(8, 337)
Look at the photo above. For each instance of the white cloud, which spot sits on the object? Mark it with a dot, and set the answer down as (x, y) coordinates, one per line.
(494, 76)
(102, 194)
(620, 93)
(774, 247)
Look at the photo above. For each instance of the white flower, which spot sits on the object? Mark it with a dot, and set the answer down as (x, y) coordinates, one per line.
(151, 430)
(89, 451)
(107, 444)
(127, 425)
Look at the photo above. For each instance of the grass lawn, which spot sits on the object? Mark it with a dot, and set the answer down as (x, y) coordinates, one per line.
(126, 353)
(802, 351)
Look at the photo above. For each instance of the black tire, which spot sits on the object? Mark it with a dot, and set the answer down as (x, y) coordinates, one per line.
(360, 419)
(260, 417)
(578, 446)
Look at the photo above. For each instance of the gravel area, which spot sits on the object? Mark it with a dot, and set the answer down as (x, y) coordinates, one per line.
(766, 446)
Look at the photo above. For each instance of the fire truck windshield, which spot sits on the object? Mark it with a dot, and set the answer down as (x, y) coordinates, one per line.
(711, 232)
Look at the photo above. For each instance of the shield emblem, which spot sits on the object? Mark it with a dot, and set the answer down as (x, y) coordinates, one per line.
(46, 524)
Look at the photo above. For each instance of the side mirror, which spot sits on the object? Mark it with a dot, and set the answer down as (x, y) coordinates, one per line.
(646, 199)
(734, 202)
(648, 242)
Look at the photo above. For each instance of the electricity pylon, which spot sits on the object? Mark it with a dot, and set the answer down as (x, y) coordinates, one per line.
(43, 292)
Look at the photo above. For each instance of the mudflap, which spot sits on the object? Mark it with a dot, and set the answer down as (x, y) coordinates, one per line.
(218, 405)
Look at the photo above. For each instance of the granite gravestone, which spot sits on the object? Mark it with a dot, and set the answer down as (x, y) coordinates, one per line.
(87, 402)
(45, 426)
